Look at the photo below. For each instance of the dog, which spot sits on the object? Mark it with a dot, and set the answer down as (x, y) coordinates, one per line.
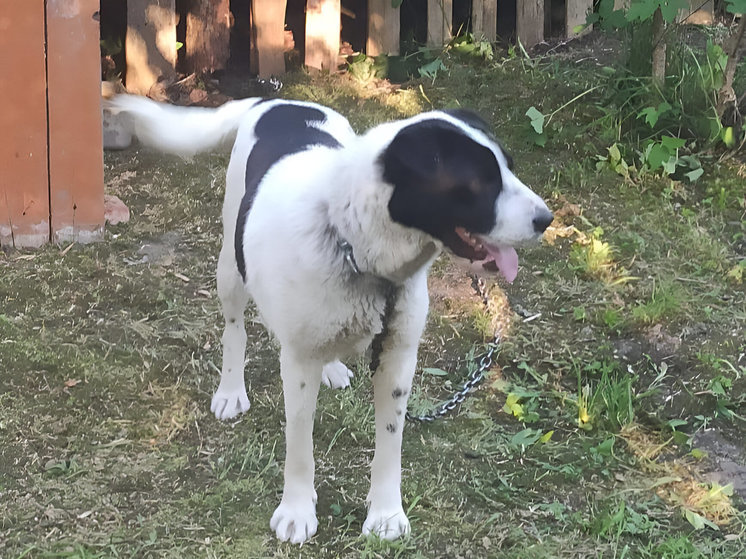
(331, 234)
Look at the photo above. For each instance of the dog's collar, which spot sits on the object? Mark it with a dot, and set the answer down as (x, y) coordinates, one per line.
(400, 275)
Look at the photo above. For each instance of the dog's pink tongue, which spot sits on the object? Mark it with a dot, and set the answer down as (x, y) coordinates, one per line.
(506, 259)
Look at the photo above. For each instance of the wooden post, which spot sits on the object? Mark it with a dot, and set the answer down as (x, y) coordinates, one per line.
(484, 19)
(207, 40)
(529, 25)
(323, 18)
(383, 28)
(76, 167)
(576, 13)
(439, 22)
(24, 187)
(150, 44)
(268, 20)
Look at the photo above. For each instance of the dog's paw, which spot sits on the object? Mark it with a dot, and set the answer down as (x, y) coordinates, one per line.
(336, 375)
(226, 405)
(386, 524)
(294, 523)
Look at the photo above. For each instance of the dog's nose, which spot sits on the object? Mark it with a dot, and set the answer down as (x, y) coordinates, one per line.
(542, 220)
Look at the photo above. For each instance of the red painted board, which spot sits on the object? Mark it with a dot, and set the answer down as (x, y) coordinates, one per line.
(24, 191)
(76, 169)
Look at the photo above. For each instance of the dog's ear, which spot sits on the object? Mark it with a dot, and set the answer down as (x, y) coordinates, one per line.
(442, 178)
(470, 118)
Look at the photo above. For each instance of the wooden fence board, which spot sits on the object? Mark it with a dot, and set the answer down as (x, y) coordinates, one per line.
(529, 25)
(207, 41)
(24, 190)
(268, 22)
(76, 169)
(576, 13)
(150, 44)
(439, 22)
(323, 18)
(484, 19)
(383, 28)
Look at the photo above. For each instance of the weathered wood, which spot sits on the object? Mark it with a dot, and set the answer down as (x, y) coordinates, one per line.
(323, 18)
(150, 44)
(24, 190)
(383, 28)
(699, 13)
(207, 41)
(659, 49)
(576, 14)
(268, 19)
(76, 168)
(529, 25)
(484, 19)
(439, 22)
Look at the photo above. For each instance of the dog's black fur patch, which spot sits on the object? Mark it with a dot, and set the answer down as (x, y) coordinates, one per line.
(442, 179)
(472, 119)
(281, 131)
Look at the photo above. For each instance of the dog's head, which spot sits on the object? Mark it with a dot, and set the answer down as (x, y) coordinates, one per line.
(452, 180)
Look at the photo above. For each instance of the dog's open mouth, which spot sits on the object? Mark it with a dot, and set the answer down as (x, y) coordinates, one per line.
(501, 257)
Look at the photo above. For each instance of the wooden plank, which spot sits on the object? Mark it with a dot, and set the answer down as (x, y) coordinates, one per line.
(383, 28)
(207, 42)
(323, 18)
(529, 25)
(484, 19)
(76, 168)
(24, 190)
(439, 22)
(268, 21)
(150, 44)
(576, 14)
(699, 13)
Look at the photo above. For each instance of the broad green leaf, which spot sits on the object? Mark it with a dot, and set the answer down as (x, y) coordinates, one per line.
(694, 175)
(546, 437)
(671, 8)
(672, 143)
(669, 166)
(656, 156)
(434, 371)
(527, 437)
(642, 10)
(431, 69)
(537, 119)
(512, 405)
(698, 521)
(729, 137)
(736, 6)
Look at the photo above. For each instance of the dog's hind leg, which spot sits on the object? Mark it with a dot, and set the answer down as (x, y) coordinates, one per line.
(336, 375)
(230, 399)
(295, 517)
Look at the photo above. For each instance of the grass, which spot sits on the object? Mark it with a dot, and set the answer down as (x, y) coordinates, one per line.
(110, 353)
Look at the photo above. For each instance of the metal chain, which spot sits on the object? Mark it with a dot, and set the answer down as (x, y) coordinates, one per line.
(474, 379)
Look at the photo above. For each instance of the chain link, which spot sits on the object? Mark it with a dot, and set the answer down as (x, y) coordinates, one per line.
(476, 376)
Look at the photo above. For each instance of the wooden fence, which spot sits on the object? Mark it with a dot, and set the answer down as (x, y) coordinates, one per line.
(51, 166)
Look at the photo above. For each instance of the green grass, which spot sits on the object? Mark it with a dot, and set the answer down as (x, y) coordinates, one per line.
(109, 358)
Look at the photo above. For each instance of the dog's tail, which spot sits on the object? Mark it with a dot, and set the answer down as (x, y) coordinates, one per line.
(179, 130)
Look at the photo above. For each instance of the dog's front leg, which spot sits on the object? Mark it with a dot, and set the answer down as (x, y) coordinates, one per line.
(392, 383)
(295, 518)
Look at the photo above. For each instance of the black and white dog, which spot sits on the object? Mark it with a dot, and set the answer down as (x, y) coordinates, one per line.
(320, 227)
